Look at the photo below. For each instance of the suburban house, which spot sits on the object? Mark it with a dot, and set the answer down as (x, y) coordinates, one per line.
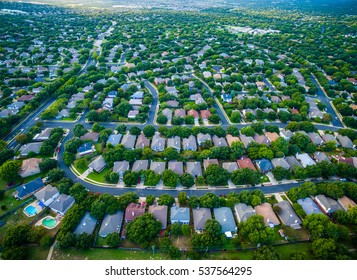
(180, 215)
(62, 204)
(321, 156)
(200, 217)
(157, 143)
(176, 166)
(114, 139)
(128, 141)
(246, 163)
(345, 141)
(193, 113)
(205, 114)
(224, 217)
(30, 167)
(92, 136)
(346, 203)
(272, 136)
(316, 138)
(293, 162)
(219, 141)
(231, 139)
(230, 166)
(120, 167)
(158, 166)
(327, 204)
(264, 165)
(64, 113)
(246, 140)
(265, 210)
(262, 139)
(175, 143)
(329, 137)
(30, 148)
(86, 149)
(140, 165)
(288, 215)
(142, 142)
(44, 135)
(280, 162)
(243, 212)
(194, 168)
(201, 138)
(111, 224)
(86, 225)
(189, 144)
(305, 159)
(309, 206)
(180, 113)
(134, 210)
(286, 134)
(47, 195)
(132, 114)
(207, 162)
(97, 164)
(28, 189)
(160, 214)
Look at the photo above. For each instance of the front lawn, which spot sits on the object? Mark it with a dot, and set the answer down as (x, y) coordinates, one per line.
(99, 177)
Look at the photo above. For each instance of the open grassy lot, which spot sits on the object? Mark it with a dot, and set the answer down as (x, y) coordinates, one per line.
(37, 253)
(105, 254)
(8, 202)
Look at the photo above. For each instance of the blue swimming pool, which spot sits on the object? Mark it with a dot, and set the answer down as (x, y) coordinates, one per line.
(30, 210)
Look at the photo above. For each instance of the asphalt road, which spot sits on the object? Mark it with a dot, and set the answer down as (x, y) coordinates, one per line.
(325, 100)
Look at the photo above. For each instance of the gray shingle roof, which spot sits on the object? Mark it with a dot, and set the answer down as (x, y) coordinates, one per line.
(194, 168)
(280, 162)
(121, 166)
(62, 203)
(219, 141)
(225, 218)
(288, 215)
(174, 142)
(243, 211)
(158, 166)
(46, 193)
(160, 213)
(328, 204)
(111, 224)
(179, 214)
(157, 143)
(140, 165)
(114, 139)
(98, 164)
(200, 217)
(309, 206)
(128, 141)
(189, 143)
(87, 225)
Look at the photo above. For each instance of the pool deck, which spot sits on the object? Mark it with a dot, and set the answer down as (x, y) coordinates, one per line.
(36, 205)
(57, 219)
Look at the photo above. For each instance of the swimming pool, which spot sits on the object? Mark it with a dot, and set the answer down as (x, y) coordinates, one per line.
(30, 211)
(49, 222)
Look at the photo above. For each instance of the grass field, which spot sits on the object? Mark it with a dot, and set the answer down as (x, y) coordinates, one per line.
(9, 201)
(105, 254)
(99, 177)
(37, 253)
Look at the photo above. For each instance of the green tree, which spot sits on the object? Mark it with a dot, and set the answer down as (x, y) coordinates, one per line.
(149, 130)
(79, 130)
(166, 199)
(113, 240)
(176, 229)
(245, 176)
(150, 199)
(182, 198)
(130, 178)
(170, 178)
(324, 249)
(187, 180)
(143, 229)
(9, 170)
(281, 173)
(209, 200)
(171, 153)
(266, 253)
(255, 230)
(237, 150)
(47, 164)
(55, 175)
(151, 178)
(216, 175)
